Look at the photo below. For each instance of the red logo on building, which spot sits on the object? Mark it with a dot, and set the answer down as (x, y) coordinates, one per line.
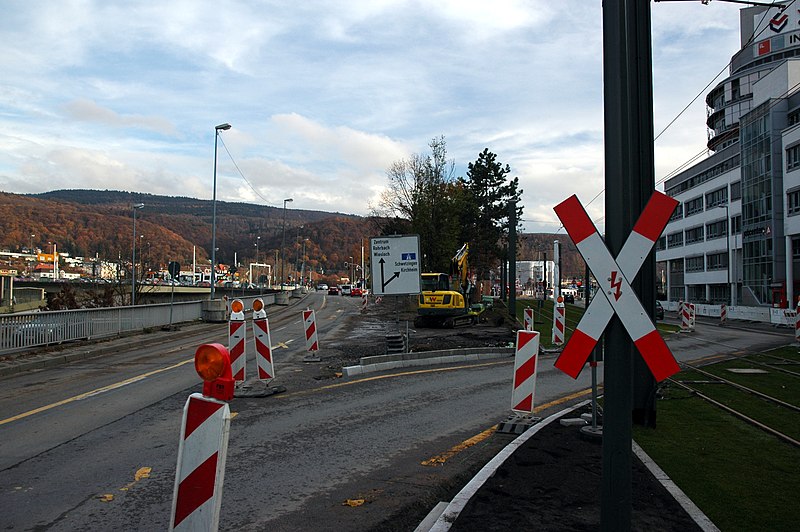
(763, 47)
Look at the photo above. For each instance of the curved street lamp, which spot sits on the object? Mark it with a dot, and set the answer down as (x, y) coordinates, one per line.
(283, 238)
(136, 207)
(217, 129)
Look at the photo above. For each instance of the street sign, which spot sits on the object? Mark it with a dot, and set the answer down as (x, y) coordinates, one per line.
(174, 269)
(396, 264)
(617, 295)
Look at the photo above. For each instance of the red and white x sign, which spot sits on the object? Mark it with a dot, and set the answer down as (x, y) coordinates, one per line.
(618, 296)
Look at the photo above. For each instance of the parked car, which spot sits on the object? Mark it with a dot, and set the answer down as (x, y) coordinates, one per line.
(569, 298)
(659, 311)
(333, 291)
(322, 286)
(356, 292)
(346, 289)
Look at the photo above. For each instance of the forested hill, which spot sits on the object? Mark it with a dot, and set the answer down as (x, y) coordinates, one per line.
(100, 223)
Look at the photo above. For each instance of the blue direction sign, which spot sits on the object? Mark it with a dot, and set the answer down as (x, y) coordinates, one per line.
(395, 262)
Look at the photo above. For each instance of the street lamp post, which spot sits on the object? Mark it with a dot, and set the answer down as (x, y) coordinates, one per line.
(728, 230)
(217, 129)
(136, 207)
(30, 248)
(283, 238)
(303, 267)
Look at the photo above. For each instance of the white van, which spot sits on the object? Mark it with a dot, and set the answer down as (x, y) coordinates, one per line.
(346, 289)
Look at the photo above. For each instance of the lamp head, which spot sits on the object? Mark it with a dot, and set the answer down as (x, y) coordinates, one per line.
(223, 127)
(138, 205)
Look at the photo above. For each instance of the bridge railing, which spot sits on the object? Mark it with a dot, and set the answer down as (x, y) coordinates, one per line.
(32, 329)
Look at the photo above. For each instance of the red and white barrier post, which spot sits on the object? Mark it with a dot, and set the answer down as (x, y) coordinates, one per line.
(558, 321)
(528, 318)
(526, 360)
(691, 316)
(723, 314)
(686, 317)
(797, 322)
(236, 340)
(310, 326)
(203, 447)
(261, 337)
(363, 302)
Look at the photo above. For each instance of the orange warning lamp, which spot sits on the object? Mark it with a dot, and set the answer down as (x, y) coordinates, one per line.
(258, 304)
(237, 305)
(213, 363)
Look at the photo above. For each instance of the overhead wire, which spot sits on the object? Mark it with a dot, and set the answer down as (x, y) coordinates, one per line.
(249, 184)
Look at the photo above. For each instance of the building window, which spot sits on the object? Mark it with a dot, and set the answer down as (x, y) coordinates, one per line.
(694, 234)
(675, 240)
(793, 157)
(717, 261)
(793, 203)
(736, 190)
(694, 206)
(796, 249)
(694, 264)
(661, 243)
(794, 117)
(717, 197)
(677, 214)
(736, 224)
(716, 229)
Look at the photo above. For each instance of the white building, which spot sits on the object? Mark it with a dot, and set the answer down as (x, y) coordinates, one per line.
(735, 237)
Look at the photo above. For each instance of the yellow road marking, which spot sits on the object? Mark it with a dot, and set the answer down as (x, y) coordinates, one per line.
(142, 472)
(91, 393)
(440, 459)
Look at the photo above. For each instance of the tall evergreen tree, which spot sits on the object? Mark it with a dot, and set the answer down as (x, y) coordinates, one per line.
(491, 192)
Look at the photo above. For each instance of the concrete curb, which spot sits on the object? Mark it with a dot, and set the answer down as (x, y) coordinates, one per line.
(425, 358)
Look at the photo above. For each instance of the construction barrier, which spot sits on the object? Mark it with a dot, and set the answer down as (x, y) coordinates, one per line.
(525, 364)
(237, 333)
(687, 316)
(528, 318)
(363, 302)
(558, 321)
(310, 326)
(797, 323)
(263, 342)
(723, 314)
(203, 446)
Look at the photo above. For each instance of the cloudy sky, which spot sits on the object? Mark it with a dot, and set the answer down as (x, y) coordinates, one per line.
(324, 95)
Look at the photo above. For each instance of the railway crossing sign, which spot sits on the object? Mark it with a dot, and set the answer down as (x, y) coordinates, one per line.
(617, 295)
(396, 265)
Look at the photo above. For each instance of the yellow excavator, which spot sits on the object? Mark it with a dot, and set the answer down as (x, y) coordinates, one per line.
(442, 304)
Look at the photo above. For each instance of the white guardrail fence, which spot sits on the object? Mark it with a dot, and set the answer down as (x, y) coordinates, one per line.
(32, 329)
(775, 316)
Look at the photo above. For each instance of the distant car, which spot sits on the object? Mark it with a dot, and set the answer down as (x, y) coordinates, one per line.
(569, 298)
(346, 289)
(204, 284)
(322, 286)
(356, 292)
(333, 291)
(659, 311)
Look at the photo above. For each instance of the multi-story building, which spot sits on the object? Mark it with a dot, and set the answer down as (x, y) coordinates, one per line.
(735, 236)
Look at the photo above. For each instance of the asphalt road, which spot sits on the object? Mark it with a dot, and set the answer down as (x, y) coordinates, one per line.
(93, 445)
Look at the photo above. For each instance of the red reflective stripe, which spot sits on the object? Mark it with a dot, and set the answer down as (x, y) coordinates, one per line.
(576, 221)
(196, 489)
(523, 337)
(525, 371)
(655, 216)
(262, 349)
(199, 411)
(526, 405)
(575, 353)
(657, 355)
(306, 314)
(310, 330)
(234, 326)
(263, 374)
(261, 324)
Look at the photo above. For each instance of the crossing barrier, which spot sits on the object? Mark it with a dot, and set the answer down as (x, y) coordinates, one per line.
(263, 342)
(528, 318)
(525, 365)
(237, 333)
(310, 326)
(558, 321)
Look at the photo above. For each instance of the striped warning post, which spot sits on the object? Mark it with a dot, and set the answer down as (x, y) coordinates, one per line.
(263, 342)
(797, 323)
(558, 321)
(527, 318)
(723, 314)
(686, 317)
(691, 316)
(363, 302)
(203, 446)
(612, 276)
(236, 340)
(526, 361)
(310, 326)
